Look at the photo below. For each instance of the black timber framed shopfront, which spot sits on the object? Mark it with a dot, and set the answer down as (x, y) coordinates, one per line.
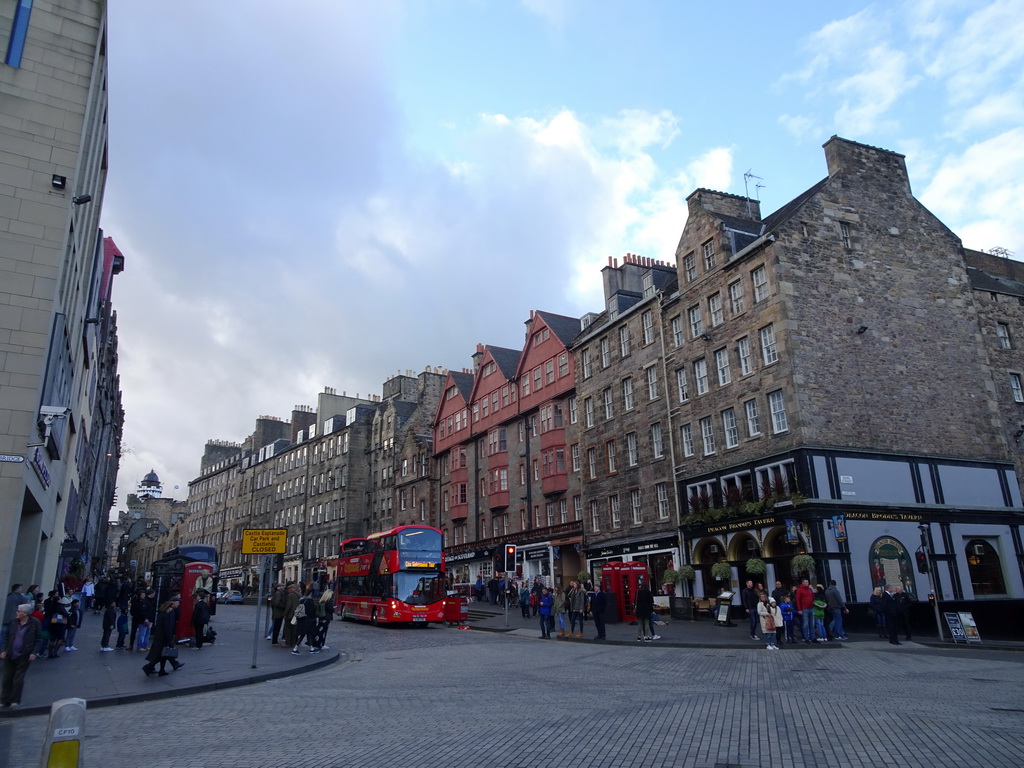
(862, 517)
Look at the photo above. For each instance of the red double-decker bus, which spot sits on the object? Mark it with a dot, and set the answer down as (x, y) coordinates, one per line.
(394, 576)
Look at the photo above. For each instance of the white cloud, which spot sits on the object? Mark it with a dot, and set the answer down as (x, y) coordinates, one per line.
(978, 193)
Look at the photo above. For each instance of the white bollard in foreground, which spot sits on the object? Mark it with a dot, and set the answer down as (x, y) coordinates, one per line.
(64, 732)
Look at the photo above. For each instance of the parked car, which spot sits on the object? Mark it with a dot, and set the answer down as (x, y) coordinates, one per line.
(231, 596)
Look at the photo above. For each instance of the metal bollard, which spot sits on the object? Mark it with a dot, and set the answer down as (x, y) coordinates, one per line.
(64, 732)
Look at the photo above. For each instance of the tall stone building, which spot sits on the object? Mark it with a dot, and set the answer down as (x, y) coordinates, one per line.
(60, 402)
(841, 400)
(624, 452)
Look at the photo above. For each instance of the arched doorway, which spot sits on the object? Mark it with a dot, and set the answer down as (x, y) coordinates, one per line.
(779, 551)
(706, 553)
(985, 568)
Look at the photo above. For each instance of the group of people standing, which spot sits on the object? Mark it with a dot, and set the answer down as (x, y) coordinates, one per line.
(891, 606)
(816, 614)
(298, 616)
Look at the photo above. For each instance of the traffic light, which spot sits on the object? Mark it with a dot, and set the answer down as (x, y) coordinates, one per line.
(922, 561)
(510, 558)
(278, 563)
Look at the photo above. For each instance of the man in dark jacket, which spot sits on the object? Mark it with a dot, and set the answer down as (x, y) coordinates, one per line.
(891, 609)
(749, 600)
(18, 652)
(14, 599)
(278, 603)
(598, 605)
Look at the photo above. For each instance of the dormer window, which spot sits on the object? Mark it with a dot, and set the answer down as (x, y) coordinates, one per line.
(648, 285)
(708, 249)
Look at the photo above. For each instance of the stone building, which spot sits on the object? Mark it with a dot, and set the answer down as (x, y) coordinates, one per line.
(624, 451)
(840, 399)
(60, 402)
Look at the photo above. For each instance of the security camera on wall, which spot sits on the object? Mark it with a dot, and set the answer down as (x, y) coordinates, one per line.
(54, 411)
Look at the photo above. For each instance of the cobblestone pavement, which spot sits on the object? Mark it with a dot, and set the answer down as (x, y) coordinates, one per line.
(444, 697)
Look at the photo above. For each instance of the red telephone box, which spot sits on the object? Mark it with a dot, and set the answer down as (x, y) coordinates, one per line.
(193, 571)
(621, 580)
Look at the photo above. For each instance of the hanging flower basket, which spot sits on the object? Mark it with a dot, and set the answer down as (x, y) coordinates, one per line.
(721, 571)
(686, 573)
(801, 563)
(755, 566)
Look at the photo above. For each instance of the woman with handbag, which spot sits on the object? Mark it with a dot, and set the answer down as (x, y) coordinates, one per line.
(55, 619)
(162, 647)
(771, 621)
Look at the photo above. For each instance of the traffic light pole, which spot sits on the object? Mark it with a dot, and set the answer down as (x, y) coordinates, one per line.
(930, 564)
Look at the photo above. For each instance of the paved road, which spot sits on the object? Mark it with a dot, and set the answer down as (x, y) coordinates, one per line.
(445, 697)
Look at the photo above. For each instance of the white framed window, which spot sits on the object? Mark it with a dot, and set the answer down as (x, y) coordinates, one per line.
(730, 429)
(585, 363)
(707, 435)
(613, 510)
(722, 366)
(682, 387)
(573, 412)
(1003, 334)
(662, 493)
(768, 349)
(574, 453)
(746, 359)
(736, 298)
(759, 276)
(686, 432)
(627, 393)
(588, 412)
(753, 418)
(634, 505)
(696, 322)
(677, 331)
(648, 285)
(708, 251)
(690, 267)
(563, 370)
(606, 353)
(611, 454)
(657, 443)
(577, 507)
(700, 376)
(777, 407)
(592, 463)
(624, 341)
(563, 510)
(647, 319)
(652, 382)
(609, 410)
(1017, 388)
(715, 309)
(775, 479)
(631, 452)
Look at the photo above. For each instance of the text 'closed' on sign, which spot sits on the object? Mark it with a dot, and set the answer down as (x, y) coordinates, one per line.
(264, 541)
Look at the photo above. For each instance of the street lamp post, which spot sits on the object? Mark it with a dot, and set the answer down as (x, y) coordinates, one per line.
(930, 565)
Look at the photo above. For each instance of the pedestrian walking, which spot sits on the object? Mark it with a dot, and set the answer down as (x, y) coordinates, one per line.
(109, 622)
(75, 614)
(903, 601)
(836, 606)
(163, 648)
(577, 606)
(56, 622)
(18, 652)
(324, 617)
(598, 605)
(545, 605)
(643, 609)
(290, 623)
(13, 600)
(558, 610)
(304, 619)
(200, 617)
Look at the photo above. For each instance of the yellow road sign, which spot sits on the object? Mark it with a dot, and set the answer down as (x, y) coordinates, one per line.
(264, 541)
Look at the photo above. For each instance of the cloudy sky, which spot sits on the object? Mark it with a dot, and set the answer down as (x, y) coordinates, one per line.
(323, 192)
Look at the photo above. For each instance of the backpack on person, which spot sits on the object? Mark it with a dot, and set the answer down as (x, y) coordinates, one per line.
(300, 611)
(319, 609)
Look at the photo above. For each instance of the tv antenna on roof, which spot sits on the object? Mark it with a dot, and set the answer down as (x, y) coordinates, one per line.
(746, 189)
